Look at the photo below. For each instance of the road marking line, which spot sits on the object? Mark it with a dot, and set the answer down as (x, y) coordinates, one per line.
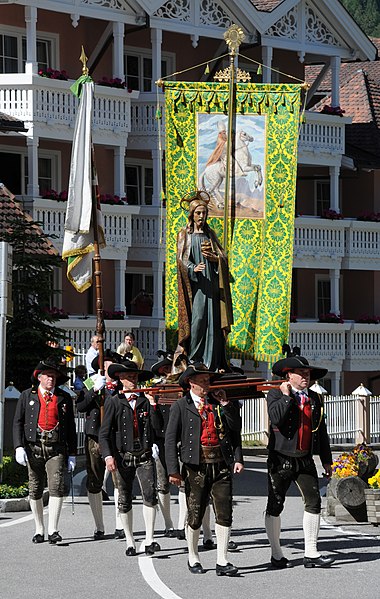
(23, 519)
(150, 576)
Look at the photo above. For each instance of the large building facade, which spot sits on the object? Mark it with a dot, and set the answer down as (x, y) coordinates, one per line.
(336, 262)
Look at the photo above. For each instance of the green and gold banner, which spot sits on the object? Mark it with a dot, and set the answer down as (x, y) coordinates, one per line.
(262, 212)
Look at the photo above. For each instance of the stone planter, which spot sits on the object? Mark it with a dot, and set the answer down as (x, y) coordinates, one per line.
(20, 504)
(372, 497)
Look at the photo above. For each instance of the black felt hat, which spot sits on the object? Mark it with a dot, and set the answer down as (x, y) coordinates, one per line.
(50, 363)
(193, 370)
(128, 366)
(166, 360)
(285, 365)
(108, 355)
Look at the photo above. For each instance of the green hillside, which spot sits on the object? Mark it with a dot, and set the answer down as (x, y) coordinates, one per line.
(366, 13)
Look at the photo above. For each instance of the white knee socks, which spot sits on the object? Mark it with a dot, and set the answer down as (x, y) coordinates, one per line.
(127, 525)
(37, 507)
(118, 522)
(96, 504)
(55, 505)
(182, 516)
(149, 514)
(273, 528)
(164, 503)
(222, 537)
(192, 544)
(311, 524)
(206, 527)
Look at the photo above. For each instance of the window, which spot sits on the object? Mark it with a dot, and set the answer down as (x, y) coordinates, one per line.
(139, 184)
(138, 294)
(139, 69)
(47, 173)
(13, 50)
(323, 289)
(8, 54)
(43, 54)
(322, 196)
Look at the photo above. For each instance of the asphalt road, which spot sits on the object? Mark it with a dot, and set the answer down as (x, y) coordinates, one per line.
(82, 568)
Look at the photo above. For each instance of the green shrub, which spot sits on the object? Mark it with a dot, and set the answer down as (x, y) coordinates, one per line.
(12, 473)
(8, 492)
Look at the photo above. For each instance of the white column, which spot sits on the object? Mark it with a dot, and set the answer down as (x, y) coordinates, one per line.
(119, 170)
(156, 164)
(156, 40)
(335, 73)
(267, 56)
(334, 289)
(334, 188)
(118, 51)
(33, 187)
(158, 271)
(335, 383)
(31, 65)
(120, 268)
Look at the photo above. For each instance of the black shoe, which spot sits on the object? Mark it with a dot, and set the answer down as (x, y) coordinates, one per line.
(181, 534)
(170, 533)
(105, 496)
(119, 533)
(54, 538)
(280, 564)
(319, 562)
(152, 548)
(130, 551)
(98, 535)
(38, 539)
(232, 546)
(208, 545)
(196, 569)
(227, 570)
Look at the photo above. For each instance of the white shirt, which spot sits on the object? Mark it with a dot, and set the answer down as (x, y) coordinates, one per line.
(91, 354)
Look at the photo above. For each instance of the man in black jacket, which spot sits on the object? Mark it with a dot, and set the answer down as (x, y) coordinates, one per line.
(126, 439)
(297, 430)
(45, 440)
(207, 427)
(89, 402)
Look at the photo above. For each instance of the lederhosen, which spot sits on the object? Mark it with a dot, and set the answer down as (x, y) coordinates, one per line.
(206, 468)
(46, 447)
(126, 434)
(286, 462)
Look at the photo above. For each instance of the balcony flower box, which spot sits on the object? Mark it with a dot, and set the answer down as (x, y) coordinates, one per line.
(53, 74)
(331, 317)
(114, 82)
(113, 314)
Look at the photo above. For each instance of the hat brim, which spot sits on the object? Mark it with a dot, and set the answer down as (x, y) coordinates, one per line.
(191, 371)
(115, 369)
(61, 377)
(156, 367)
(281, 367)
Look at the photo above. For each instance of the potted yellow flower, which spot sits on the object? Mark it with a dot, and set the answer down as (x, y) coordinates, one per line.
(372, 496)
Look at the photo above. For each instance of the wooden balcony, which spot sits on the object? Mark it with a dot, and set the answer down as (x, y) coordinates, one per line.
(50, 106)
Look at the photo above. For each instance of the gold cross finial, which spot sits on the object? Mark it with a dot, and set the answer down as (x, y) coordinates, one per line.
(234, 36)
(83, 58)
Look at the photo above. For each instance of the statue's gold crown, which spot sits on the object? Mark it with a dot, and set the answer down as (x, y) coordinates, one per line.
(200, 196)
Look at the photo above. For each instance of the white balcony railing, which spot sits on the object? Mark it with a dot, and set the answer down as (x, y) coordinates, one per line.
(149, 333)
(36, 99)
(319, 133)
(125, 226)
(319, 237)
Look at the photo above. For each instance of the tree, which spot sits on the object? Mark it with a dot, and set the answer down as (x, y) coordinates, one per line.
(31, 332)
(366, 13)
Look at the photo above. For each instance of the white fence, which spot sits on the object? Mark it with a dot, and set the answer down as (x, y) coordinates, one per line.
(343, 419)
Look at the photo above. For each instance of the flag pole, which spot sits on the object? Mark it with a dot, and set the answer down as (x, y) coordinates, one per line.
(233, 37)
(100, 327)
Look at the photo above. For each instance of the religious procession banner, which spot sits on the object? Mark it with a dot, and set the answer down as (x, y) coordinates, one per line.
(264, 163)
